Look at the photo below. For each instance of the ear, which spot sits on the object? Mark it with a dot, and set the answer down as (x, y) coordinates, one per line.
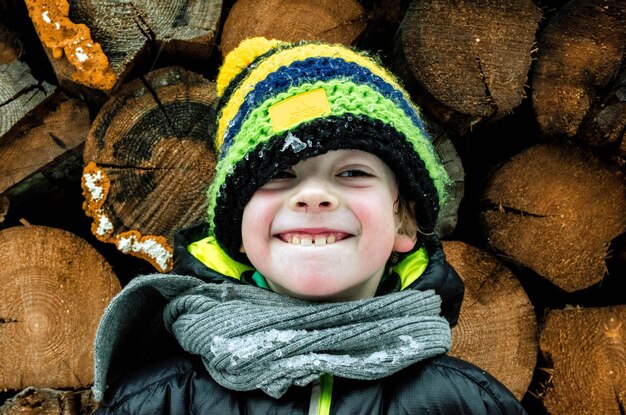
(404, 242)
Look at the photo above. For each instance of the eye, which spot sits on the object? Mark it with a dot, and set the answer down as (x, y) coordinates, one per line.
(279, 180)
(354, 173)
(281, 175)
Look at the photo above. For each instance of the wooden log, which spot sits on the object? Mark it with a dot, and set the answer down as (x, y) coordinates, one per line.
(448, 217)
(335, 21)
(43, 401)
(10, 45)
(466, 62)
(497, 329)
(55, 287)
(149, 159)
(604, 125)
(100, 42)
(85, 62)
(4, 207)
(20, 92)
(555, 209)
(588, 352)
(383, 20)
(56, 127)
(580, 54)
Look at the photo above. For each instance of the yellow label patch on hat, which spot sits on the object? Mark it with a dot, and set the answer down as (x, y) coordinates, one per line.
(298, 108)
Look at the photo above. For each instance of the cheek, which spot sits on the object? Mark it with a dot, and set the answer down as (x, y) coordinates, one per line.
(256, 223)
(378, 220)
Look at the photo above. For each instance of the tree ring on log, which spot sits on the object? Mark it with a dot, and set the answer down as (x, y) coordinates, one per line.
(149, 160)
(466, 62)
(587, 350)
(581, 51)
(55, 289)
(555, 209)
(20, 92)
(505, 346)
(154, 249)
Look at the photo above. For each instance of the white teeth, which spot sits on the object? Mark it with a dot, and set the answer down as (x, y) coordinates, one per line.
(308, 240)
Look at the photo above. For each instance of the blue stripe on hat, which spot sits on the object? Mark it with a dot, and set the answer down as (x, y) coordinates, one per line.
(308, 71)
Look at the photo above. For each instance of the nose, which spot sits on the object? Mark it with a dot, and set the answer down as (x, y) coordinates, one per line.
(313, 198)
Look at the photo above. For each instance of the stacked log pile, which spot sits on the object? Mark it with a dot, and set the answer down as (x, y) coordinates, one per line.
(105, 151)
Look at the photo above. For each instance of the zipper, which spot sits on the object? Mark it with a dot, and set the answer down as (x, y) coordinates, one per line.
(321, 396)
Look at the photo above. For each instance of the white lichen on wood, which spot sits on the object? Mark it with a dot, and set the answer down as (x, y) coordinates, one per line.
(92, 183)
(104, 225)
(81, 55)
(148, 247)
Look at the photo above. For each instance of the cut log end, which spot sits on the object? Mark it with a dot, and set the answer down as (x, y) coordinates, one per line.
(334, 21)
(555, 209)
(55, 289)
(472, 58)
(152, 248)
(149, 161)
(580, 53)
(587, 349)
(506, 346)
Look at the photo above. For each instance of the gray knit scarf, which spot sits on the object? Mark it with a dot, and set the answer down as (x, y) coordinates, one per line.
(252, 338)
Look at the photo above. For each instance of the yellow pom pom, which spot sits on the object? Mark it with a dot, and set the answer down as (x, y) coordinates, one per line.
(240, 57)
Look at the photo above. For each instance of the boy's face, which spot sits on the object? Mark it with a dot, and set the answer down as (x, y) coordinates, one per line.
(325, 228)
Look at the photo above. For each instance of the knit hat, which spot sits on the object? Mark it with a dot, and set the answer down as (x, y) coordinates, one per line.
(280, 103)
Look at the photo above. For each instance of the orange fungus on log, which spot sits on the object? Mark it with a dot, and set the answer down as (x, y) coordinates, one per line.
(152, 248)
(60, 34)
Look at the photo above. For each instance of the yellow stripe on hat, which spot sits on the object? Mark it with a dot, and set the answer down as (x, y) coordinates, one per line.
(284, 58)
(240, 57)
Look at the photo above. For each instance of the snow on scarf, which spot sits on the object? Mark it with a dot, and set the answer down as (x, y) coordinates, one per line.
(250, 338)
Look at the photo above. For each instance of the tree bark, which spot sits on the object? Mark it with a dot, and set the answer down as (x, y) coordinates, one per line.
(555, 209)
(580, 54)
(587, 350)
(56, 127)
(33, 401)
(55, 288)
(466, 62)
(97, 43)
(20, 92)
(334, 21)
(497, 329)
(149, 159)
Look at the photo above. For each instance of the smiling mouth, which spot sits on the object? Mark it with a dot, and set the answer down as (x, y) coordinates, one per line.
(312, 239)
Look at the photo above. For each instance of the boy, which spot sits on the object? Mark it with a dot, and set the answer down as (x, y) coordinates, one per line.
(318, 288)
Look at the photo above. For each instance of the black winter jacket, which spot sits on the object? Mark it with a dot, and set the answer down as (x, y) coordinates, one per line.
(177, 383)
(442, 385)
